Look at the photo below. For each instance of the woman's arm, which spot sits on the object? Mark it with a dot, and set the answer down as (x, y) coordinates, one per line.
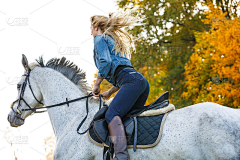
(104, 57)
(113, 90)
(98, 81)
(96, 88)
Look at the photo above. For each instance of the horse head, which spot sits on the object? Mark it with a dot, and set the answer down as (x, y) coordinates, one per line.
(29, 97)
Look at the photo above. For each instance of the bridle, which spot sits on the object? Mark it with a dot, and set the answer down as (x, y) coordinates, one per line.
(23, 87)
(19, 112)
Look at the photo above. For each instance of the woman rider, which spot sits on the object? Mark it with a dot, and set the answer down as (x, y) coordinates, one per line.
(112, 56)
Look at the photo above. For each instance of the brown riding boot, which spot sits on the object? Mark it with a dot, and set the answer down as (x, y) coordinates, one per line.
(118, 138)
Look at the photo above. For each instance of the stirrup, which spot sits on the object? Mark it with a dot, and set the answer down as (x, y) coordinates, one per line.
(108, 155)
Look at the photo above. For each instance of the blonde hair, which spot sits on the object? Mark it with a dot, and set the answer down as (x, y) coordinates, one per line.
(114, 26)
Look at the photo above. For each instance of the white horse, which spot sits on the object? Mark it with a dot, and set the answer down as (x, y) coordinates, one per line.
(201, 131)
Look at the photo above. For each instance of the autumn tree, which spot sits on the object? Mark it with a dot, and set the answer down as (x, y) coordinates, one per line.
(213, 71)
(49, 144)
(229, 7)
(167, 43)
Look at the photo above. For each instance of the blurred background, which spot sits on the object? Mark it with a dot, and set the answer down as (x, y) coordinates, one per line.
(189, 48)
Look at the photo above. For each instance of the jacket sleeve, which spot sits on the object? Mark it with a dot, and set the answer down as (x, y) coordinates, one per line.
(104, 57)
(99, 75)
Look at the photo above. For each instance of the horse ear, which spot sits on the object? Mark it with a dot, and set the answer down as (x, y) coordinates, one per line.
(25, 62)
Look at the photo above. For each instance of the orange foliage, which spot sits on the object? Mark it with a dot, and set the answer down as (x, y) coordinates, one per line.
(213, 71)
(49, 142)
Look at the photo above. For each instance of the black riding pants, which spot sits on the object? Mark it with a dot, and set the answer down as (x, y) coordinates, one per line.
(133, 92)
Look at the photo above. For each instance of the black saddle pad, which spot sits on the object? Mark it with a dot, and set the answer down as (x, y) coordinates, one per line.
(149, 131)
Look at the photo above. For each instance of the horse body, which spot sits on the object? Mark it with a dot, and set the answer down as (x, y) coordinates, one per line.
(201, 131)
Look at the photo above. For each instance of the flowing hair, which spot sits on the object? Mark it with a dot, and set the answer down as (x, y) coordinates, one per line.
(115, 25)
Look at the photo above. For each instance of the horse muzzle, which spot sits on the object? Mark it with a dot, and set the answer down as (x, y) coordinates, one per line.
(14, 119)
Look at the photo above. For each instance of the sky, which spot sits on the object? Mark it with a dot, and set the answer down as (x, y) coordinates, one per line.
(41, 28)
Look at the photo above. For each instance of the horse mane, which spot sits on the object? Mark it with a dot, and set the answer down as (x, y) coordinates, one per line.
(68, 69)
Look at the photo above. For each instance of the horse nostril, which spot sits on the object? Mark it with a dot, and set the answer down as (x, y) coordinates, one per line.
(8, 118)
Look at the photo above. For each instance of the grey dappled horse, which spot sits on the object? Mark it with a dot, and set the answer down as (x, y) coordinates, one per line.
(201, 131)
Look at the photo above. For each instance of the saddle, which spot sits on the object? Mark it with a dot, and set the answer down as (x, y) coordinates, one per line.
(100, 125)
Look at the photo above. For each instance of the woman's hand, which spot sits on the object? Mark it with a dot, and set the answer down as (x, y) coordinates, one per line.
(96, 90)
(106, 95)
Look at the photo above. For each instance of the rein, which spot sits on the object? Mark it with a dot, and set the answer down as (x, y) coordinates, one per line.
(60, 104)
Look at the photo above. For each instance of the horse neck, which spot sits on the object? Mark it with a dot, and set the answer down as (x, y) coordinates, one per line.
(55, 88)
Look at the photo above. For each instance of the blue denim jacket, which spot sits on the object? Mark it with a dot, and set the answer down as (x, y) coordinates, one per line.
(105, 59)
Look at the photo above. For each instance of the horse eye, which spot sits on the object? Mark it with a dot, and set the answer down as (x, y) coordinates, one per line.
(18, 86)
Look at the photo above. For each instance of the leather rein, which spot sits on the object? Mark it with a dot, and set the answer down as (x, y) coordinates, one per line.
(19, 111)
